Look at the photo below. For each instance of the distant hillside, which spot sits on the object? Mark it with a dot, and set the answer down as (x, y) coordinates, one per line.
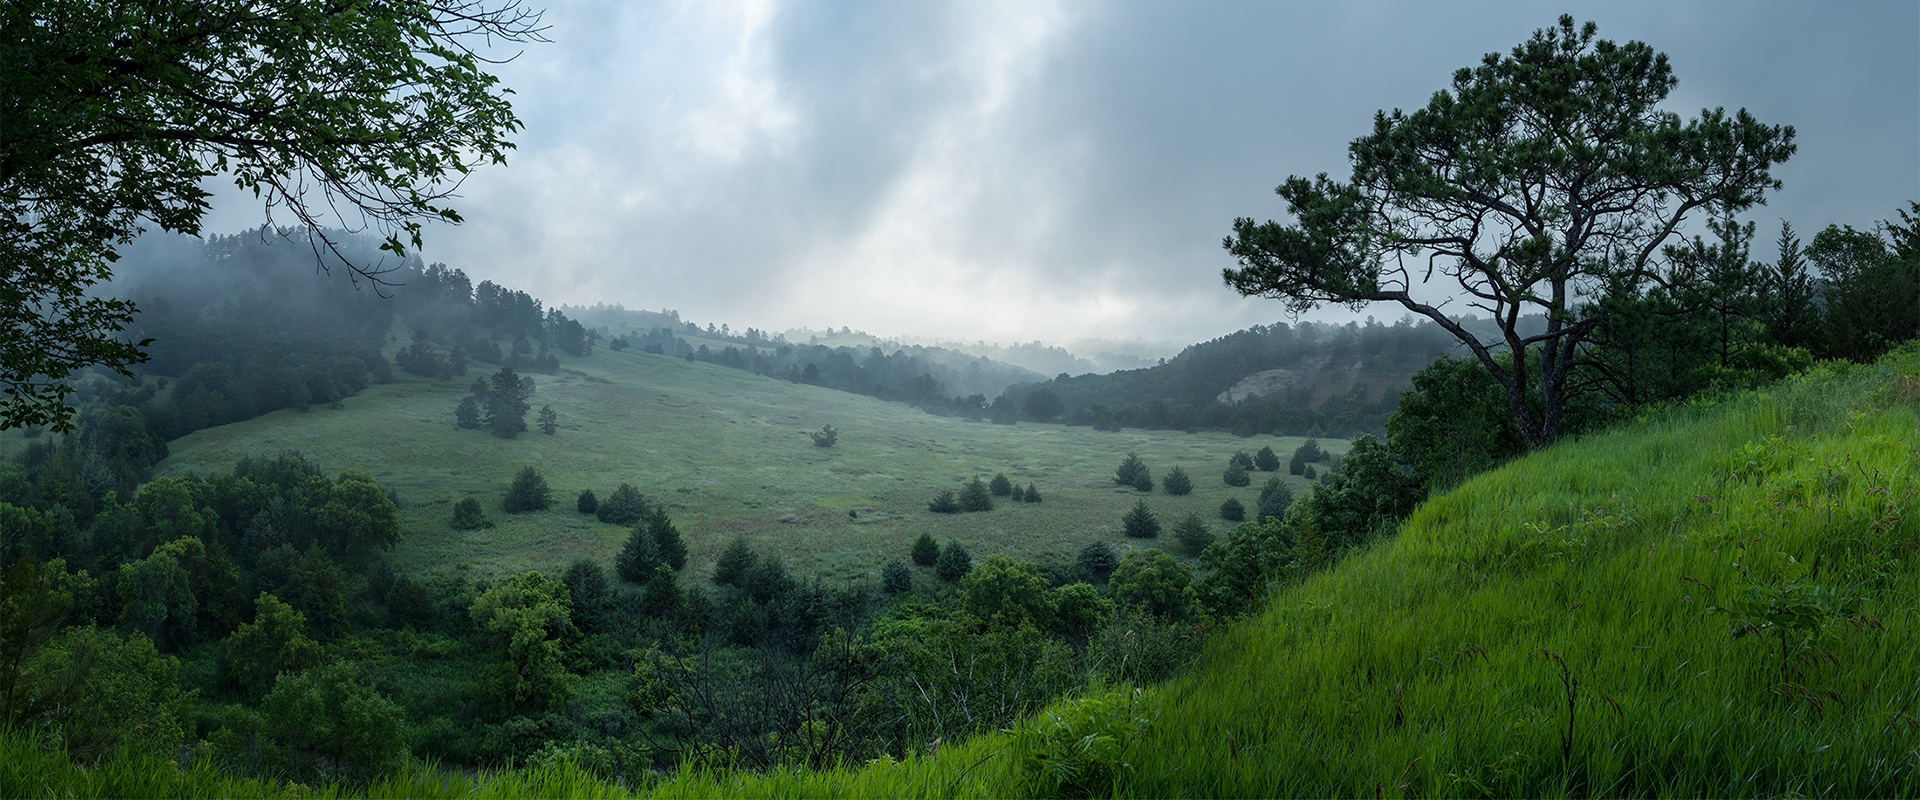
(1303, 379)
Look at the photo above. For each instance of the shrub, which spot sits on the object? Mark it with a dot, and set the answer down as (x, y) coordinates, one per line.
(825, 437)
(1152, 581)
(1266, 459)
(1177, 483)
(1308, 472)
(1140, 523)
(1000, 486)
(1236, 475)
(925, 550)
(1128, 466)
(587, 502)
(1143, 479)
(1232, 511)
(625, 506)
(1240, 457)
(549, 421)
(1193, 534)
(529, 492)
(1309, 451)
(1017, 494)
(896, 577)
(467, 516)
(954, 562)
(974, 496)
(1033, 494)
(943, 503)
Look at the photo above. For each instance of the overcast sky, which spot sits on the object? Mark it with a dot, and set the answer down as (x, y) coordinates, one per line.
(1036, 170)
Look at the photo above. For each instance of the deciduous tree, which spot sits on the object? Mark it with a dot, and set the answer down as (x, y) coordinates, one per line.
(116, 115)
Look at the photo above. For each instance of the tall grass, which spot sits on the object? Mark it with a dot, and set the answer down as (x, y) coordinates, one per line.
(1722, 599)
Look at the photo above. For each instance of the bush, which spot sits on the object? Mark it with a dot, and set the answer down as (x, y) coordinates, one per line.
(1143, 479)
(467, 516)
(1266, 459)
(1152, 581)
(1308, 472)
(529, 492)
(1098, 560)
(587, 502)
(825, 437)
(954, 563)
(1236, 475)
(974, 496)
(549, 421)
(1017, 494)
(625, 506)
(1177, 483)
(1232, 511)
(943, 503)
(925, 550)
(1140, 523)
(1033, 494)
(1000, 486)
(1193, 534)
(1240, 457)
(896, 577)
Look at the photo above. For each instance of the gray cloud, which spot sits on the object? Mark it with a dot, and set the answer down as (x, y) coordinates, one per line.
(1022, 170)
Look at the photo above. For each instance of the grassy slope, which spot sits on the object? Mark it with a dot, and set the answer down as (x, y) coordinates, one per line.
(1421, 666)
(728, 452)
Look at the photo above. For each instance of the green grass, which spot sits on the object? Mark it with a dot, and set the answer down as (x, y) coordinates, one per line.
(1440, 660)
(728, 452)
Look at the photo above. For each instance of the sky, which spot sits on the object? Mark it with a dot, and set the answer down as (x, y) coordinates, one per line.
(1037, 170)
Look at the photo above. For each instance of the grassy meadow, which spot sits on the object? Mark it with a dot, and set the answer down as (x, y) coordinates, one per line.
(728, 452)
(1718, 599)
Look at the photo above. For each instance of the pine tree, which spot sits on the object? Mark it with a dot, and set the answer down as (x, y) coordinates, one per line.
(1231, 510)
(974, 496)
(1193, 534)
(1033, 494)
(925, 550)
(896, 577)
(666, 538)
(1266, 459)
(1098, 560)
(549, 421)
(664, 599)
(1000, 486)
(587, 503)
(1128, 466)
(529, 492)
(1017, 494)
(1274, 499)
(1140, 523)
(1245, 461)
(1177, 482)
(1143, 479)
(944, 503)
(625, 506)
(954, 562)
(638, 559)
(506, 403)
(467, 416)
(734, 562)
(1236, 475)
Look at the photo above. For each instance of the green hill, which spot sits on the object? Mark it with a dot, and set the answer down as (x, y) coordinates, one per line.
(728, 452)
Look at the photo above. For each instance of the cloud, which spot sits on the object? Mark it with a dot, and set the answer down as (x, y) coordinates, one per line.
(1053, 170)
